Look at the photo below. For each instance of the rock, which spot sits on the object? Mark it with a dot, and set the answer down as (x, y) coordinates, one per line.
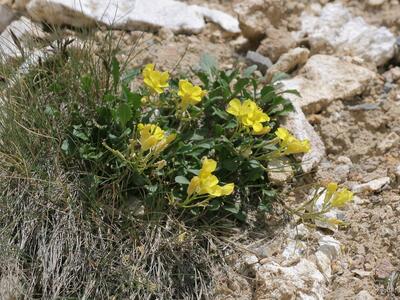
(6, 17)
(392, 75)
(300, 232)
(392, 139)
(293, 250)
(21, 28)
(324, 264)
(297, 123)
(397, 172)
(250, 259)
(335, 29)
(383, 269)
(129, 14)
(262, 62)
(375, 2)
(255, 16)
(335, 79)
(280, 171)
(288, 61)
(363, 106)
(239, 43)
(371, 186)
(231, 286)
(361, 273)
(301, 281)
(364, 295)
(329, 246)
(277, 42)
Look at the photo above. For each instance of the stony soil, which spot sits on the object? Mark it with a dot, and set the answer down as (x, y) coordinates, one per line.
(360, 135)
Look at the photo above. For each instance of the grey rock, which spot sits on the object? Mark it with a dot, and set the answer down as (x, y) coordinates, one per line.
(364, 106)
(280, 171)
(6, 17)
(263, 63)
(391, 140)
(288, 61)
(329, 246)
(364, 295)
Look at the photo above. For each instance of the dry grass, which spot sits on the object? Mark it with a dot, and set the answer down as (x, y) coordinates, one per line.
(59, 237)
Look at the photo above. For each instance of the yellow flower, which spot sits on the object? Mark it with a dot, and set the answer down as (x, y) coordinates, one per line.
(331, 188)
(206, 183)
(336, 197)
(153, 137)
(156, 81)
(189, 93)
(341, 197)
(250, 115)
(290, 144)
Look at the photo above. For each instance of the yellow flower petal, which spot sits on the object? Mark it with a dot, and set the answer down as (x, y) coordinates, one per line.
(234, 107)
(227, 189)
(209, 165)
(193, 185)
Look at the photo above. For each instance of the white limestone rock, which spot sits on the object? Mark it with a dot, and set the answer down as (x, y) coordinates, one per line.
(326, 78)
(130, 14)
(301, 281)
(329, 246)
(324, 264)
(21, 27)
(294, 250)
(334, 28)
(297, 123)
(371, 186)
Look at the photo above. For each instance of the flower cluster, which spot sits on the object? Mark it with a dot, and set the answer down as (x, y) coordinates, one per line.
(153, 138)
(335, 197)
(291, 145)
(190, 94)
(155, 80)
(250, 115)
(207, 183)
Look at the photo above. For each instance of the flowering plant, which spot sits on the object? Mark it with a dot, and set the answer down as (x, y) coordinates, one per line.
(201, 147)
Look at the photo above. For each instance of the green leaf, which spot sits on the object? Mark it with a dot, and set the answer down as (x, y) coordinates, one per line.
(294, 92)
(249, 71)
(208, 63)
(115, 70)
(65, 147)
(133, 99)
(240, 85)
(80, 134)
(130, 75)
(235, 209)
(279, 76)
(86, 83)
(181, 180)
(231, 164)
(196, 137)
(124, 114)
(266, 90)
(50, 111)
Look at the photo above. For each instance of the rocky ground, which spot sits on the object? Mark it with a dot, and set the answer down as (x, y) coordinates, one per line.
(349, 76)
